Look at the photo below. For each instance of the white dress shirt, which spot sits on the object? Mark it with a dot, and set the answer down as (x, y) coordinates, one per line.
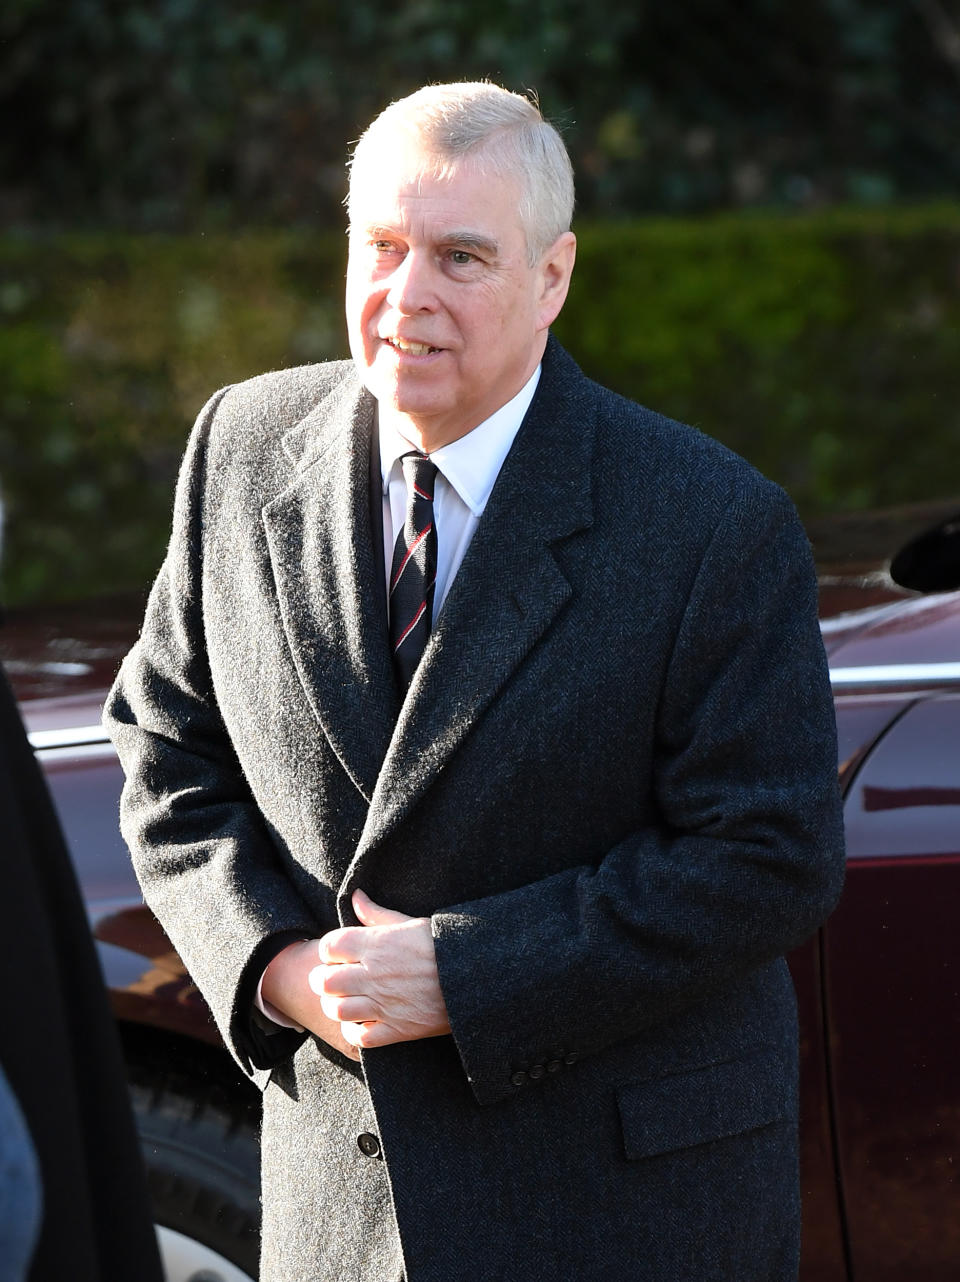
(467, 470)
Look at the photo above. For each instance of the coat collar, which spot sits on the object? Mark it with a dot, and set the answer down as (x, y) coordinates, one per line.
(506, 594)
(326, 568)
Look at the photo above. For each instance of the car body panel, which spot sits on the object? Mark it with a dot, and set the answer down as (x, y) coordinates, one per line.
(147, 981)
(823, 1255)
(893, 998)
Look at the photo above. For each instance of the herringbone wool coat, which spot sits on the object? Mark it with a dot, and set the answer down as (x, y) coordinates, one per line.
(611, 786)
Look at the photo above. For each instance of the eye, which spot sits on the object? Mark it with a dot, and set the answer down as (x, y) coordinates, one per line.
(462, 257)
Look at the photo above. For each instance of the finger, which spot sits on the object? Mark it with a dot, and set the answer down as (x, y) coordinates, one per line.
(369, 1036)
(355, 1034)
(342, 980)
(343, 945)
(373, 914)
(350, 1010)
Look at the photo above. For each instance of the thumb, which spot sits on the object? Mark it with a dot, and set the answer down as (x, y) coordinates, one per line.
(371, 914)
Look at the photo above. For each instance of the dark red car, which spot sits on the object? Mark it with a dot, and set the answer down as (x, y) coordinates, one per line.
(879, 986)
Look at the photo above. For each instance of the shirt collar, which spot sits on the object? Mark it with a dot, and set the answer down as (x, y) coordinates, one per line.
(471, 464)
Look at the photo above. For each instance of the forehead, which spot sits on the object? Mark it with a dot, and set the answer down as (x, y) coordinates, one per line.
(404, 188)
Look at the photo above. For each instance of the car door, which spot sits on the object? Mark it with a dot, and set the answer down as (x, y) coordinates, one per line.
(891, 971)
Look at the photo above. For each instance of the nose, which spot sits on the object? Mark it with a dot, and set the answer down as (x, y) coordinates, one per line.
(411, 289)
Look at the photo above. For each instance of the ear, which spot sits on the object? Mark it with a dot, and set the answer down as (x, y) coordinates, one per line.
(555, 269)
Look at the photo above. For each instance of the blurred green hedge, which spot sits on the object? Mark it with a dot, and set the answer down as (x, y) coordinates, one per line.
(824, 347)
(174, 115)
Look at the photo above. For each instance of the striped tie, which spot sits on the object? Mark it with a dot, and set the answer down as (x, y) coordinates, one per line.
(414, 570)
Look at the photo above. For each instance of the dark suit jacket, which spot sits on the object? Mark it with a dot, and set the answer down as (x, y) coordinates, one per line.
(612, 786)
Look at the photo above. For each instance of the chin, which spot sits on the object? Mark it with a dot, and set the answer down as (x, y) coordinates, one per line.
(413, 401)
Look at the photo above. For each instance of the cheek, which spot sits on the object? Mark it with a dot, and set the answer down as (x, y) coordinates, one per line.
(511, 311)
(362, 309)
(360, 295)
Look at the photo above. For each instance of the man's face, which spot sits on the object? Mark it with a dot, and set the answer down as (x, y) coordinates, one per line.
(447, 320)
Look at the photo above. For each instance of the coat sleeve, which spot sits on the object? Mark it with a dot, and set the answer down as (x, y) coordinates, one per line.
(744, 860)
(206, 863)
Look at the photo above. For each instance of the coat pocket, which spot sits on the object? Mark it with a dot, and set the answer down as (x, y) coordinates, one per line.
(706, 1103)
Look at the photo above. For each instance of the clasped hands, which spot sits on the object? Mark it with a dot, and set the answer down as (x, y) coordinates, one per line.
(362, 986)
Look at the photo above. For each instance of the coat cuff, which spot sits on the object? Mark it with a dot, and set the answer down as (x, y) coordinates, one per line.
(259, 1042)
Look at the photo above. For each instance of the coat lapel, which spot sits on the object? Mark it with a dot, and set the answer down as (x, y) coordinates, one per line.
(506, 594)
(325, 566)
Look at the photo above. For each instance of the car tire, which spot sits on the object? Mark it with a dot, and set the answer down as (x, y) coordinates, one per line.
(203, 1174)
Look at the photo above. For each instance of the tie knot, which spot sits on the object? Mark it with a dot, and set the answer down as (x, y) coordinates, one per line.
(420, 475)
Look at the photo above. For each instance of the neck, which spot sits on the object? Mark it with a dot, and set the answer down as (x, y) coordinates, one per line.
(426, 437)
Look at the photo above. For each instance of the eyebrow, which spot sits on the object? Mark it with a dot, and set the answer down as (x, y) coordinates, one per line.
(471, 240)
(461, 239)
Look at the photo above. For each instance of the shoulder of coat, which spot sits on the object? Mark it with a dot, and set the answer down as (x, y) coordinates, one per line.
(243, 450)
(675, 465)
(283, 397)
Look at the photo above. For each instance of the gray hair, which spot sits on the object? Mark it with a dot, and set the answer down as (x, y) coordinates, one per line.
(502, 132)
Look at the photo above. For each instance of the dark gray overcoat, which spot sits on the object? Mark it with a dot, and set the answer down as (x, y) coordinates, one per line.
(611, 786)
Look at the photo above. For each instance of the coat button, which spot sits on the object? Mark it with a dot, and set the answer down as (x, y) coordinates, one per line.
(536, 1072)
(554, 1066)
(369, 1144)
(571, 1058)
(519, 1079)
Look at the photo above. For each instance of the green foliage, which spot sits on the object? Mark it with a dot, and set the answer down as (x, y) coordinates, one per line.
(825, 348)
(181, 114)
(109, 349)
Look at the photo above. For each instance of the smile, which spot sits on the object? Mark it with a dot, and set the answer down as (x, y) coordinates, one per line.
(411, 349)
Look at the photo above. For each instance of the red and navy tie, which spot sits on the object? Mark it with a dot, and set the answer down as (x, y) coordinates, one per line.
(413, 574)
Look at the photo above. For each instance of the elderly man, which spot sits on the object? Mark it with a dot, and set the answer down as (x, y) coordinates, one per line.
(481, 765)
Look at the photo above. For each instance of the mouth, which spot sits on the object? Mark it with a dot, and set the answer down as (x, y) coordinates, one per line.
(410, 349)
